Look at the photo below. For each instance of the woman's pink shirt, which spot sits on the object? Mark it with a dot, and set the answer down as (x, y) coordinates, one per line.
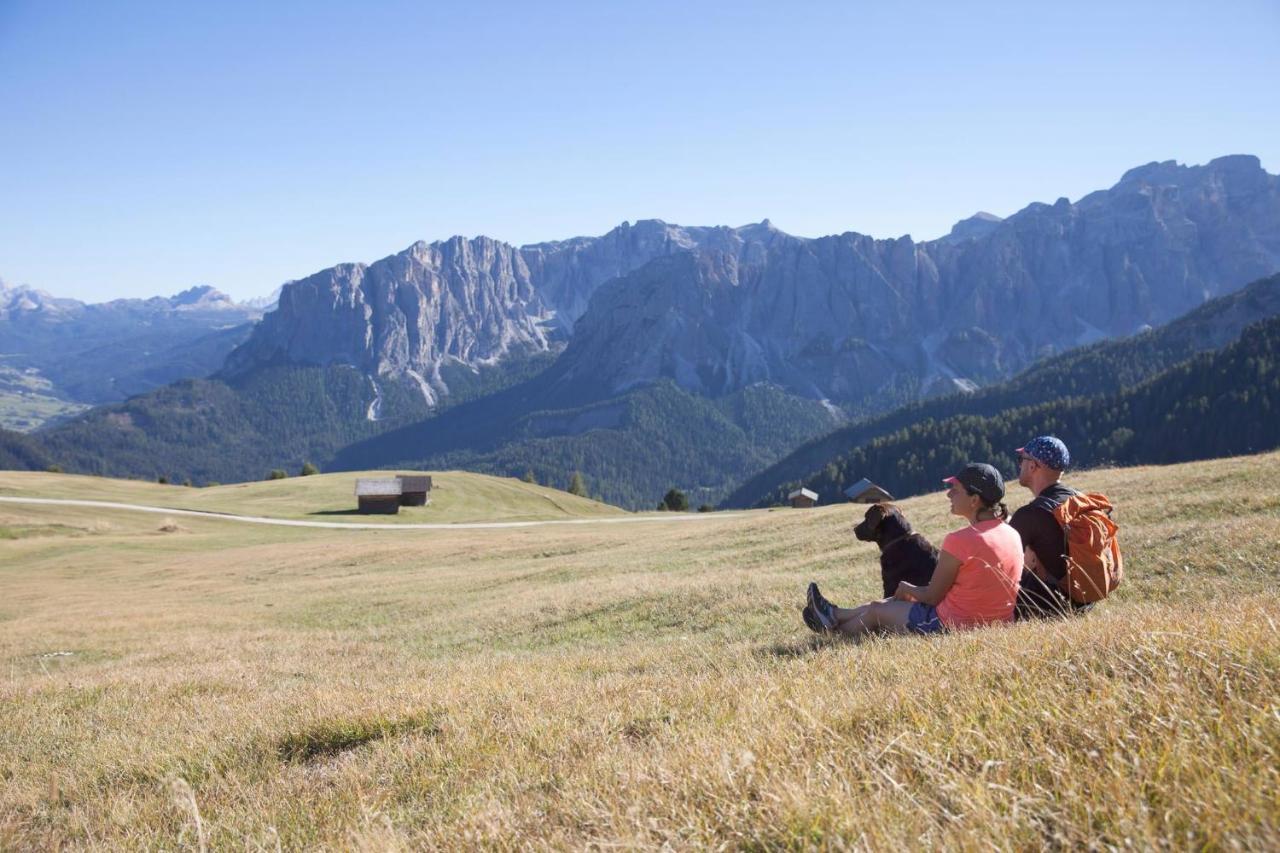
(986, 586)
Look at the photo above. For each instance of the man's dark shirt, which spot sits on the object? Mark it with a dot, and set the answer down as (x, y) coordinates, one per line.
(1041, 533)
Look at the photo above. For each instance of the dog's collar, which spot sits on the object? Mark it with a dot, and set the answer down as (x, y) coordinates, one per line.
(894, 541)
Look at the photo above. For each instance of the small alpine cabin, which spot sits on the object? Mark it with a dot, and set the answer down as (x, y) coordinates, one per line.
(866, 492)
(378, 496)
(415, 489)
(802, 498)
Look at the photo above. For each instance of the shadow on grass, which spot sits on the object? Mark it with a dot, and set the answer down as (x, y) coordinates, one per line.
(345, 512)
(331, 737)
(797, 648)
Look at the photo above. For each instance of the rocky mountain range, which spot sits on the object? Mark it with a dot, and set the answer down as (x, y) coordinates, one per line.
(59, 355)
(660, 355)
(1103, 369)
(465, 302)
(846, 318)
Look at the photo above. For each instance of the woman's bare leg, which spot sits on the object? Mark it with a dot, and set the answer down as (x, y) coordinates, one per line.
(889, 616)
(849, 615)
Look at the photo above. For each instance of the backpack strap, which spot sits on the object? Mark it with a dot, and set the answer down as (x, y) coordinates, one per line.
(1050, 505)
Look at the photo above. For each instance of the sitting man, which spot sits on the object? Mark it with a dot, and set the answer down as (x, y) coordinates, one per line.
(1043, 590)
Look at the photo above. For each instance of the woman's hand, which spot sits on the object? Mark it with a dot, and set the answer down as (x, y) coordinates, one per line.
(906, 592)
(944, 575)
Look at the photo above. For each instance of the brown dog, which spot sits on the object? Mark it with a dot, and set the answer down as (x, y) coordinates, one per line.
(904, 555)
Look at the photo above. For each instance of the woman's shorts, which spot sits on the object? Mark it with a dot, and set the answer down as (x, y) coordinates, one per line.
(923, 619)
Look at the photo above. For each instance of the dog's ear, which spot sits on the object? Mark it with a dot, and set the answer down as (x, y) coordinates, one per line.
(896, 520)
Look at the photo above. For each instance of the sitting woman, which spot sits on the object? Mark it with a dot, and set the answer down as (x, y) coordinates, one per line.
(975, 583)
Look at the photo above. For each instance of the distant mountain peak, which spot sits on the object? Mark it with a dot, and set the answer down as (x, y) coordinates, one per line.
(975, 227)
(202, 296)
(1171, 171)
(763, 228)
(1152, 172)
(1236, 161)
(264, 303)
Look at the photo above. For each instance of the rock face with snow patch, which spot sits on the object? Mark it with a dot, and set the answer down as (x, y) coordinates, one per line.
(849, 318)
(469, 302)
(846, 318)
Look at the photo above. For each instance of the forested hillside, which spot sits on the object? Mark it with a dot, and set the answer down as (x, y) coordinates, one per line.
(1103, 368)
(228, 429)
(19, 452)
(1219, 403)
(207, 430)
(630, 449)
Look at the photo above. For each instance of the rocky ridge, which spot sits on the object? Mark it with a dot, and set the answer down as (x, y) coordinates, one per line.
(857, 320)
(469, 302)
(89, 353)
(845, 317)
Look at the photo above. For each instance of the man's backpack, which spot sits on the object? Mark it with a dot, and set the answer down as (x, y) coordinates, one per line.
(1094, 564)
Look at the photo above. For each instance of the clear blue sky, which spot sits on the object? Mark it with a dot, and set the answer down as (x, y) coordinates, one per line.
(147, 147)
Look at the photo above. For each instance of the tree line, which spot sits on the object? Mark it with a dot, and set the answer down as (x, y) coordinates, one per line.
(1214, 404)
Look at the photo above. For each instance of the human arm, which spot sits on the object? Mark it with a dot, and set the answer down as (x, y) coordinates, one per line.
(1041, 540)
(944, 576)
(1031, 563)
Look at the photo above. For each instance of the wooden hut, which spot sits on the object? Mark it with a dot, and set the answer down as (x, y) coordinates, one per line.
(866, 492)
(415, 489)
(378, 495)
(802, 498)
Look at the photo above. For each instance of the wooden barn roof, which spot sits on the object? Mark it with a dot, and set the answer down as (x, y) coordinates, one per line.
(367, 487)
(415, 482)
(863, 486)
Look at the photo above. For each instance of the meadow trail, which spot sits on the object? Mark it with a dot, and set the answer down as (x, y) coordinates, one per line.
(356, 525)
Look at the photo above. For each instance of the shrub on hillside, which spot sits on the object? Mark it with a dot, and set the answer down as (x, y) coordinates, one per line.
(277, 474)
(676, 500)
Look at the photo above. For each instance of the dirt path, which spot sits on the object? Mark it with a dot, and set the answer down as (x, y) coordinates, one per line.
(355, 525)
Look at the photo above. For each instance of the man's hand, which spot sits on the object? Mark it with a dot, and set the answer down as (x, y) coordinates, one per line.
(1031, 563)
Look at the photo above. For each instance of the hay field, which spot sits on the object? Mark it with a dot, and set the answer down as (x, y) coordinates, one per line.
(231, 686)
(456, 496)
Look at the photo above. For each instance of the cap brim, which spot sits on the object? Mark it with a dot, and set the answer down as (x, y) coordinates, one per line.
(1020, 450)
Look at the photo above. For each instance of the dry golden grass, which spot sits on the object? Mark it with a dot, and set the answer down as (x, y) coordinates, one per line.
(629, 686)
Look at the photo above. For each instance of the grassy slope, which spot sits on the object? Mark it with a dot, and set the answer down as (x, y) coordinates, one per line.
(456, 496)
(629, 684)
(26, 410)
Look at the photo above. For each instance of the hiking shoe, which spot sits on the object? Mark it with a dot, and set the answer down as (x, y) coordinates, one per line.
(822, 609)
(811, 622)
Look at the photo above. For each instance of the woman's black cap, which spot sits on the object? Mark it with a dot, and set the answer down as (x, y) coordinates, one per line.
(981, 479)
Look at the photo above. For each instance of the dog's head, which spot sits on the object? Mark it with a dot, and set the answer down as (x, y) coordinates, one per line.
(882, 523)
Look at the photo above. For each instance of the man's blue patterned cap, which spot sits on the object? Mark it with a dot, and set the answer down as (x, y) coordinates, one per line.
(1048, 450)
